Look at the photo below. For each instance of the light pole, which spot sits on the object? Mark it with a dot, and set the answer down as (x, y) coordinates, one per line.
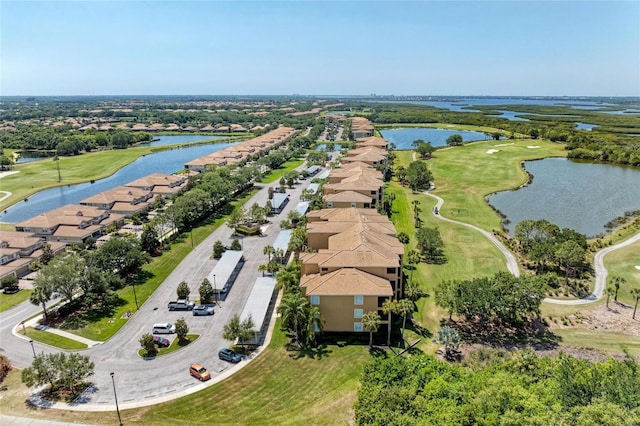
(33, 349)
(116, 397)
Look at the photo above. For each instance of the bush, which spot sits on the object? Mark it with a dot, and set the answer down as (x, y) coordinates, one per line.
(5, 367)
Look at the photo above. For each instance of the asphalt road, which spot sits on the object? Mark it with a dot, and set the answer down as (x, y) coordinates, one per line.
(144, 382)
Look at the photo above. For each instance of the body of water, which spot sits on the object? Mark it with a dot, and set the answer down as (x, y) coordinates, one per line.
(162, 162)
(323, 147)
(585, 126)
(438, 137)
(577, 195)
(160, 140)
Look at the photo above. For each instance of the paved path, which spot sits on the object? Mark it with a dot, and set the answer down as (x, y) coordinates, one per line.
(512, 264)
(6, 420)
(33, 322)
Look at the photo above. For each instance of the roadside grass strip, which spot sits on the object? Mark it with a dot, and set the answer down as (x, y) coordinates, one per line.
(8, 301)
(52, 339)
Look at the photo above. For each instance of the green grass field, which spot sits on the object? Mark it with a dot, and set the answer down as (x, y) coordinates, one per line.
(53, 339)
(7, 301)
(623, 262)
(275, 175)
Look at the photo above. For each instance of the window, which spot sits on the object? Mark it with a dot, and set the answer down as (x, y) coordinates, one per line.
(358, 300)
(373, 192)
(315, 300)
(353, 204)
(357, 326)
(357, 313)
(329, 203)
(391, 270)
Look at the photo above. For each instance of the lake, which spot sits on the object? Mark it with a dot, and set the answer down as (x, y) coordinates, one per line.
(577, 195)
(323, 147)
(438, 137)
(168, 161)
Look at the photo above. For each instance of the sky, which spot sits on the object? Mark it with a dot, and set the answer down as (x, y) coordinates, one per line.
(438, 48)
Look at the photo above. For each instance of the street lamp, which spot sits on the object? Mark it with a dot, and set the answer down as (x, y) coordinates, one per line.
(33, 349)
(116, 397)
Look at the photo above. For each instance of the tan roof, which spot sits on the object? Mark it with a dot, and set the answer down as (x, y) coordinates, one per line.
(19, 241)
(154, 179)
(371, 141)
(351, 214)
(347, 196)
(126, 194)
(345, 282)
(68, 214)
(75, 232)
(363, 256)
(362, 238)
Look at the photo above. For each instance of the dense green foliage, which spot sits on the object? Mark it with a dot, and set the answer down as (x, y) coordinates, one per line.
(523, 390)
(502, 297)
(62, 372)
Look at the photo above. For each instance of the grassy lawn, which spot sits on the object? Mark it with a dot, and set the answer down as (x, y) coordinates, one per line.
(174, 346)
(613, 342)
(53, 339)
(275, 175)
(8, 301)
(276, 388)
(157, 271)
(623, 262)
(447, 126)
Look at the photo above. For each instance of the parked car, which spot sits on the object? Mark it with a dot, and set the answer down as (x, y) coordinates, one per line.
(227, 354)
(202, 310)
(164, 328)
(181, 305)
(162, 342)
(199, 372)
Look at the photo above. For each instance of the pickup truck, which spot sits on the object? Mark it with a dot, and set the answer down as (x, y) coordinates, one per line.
(181, 305)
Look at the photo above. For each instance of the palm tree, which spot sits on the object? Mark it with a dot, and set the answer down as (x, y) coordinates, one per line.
(405, 308)
(371, 323)
(268, 250)
(314, 325)
(40, 296)
(617, 282)
(610, 292)
(293, 309)
(635, 293)
(388, 307)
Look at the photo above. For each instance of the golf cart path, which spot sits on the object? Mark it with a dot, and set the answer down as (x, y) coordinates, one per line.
(512, 264)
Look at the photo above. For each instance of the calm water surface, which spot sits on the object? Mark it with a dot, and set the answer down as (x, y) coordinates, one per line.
(576, 195)
(438, 137)
(162, 162)
(160, 140)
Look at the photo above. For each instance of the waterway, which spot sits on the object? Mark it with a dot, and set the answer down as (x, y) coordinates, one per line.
(438, 137)
(162, 140)
(168, 161)
(577, 195)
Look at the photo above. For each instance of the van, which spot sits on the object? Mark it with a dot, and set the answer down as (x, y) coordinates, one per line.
(164, 328)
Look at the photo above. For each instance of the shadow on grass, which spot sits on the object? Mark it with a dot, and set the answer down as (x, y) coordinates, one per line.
(297, 352)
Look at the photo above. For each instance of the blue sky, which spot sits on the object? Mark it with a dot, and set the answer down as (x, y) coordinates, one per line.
(544, 48)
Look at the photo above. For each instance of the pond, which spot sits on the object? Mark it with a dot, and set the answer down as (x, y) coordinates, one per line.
(438, 137)
(160, 140)
(168, 161)
(577, 195)
(585, 126)
(324, 147)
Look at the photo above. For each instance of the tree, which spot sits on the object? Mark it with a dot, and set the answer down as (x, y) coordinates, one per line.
(235, 245)
(149, 239)
(40, 295)
(270, 192)
(635, 293)
(182, 329)
(418, 176)
(293, 309)
(413, 292)
(429, 242)
(617, 281)
(62, 275)
(425, 150)
(449, 337)
(403, 237)
(610, 291)
(242, 331)
(121, 255)
(183, 290)
(147, 343)
(570, 255)
(314, 325)
(389, 307)
(371, 323)
(63, 372)
(401, 174)
(10, 284)
(416, 212)
(268, 251)
(454, 140)
(47, 254)
(236, 218)
(218, 249)
(206, 292)
(405, 308)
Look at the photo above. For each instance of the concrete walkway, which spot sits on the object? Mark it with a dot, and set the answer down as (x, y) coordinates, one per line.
(24, 421)
(33, 322)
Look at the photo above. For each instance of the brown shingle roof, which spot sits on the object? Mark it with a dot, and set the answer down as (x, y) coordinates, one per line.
(345, 282)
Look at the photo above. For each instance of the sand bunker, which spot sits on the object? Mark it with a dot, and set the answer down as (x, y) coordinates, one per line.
(505, 144)
(638, 267)
(533, 146)
(491, 151)
(3, 174)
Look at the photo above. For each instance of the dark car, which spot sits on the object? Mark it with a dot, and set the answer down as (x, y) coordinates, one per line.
(162, 342)
(202, 310)
(227, 354)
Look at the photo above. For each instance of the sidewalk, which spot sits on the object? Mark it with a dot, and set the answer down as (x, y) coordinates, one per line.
(24, 421)
(33, 322)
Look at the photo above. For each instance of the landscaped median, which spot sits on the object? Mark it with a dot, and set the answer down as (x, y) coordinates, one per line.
(174, 346)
